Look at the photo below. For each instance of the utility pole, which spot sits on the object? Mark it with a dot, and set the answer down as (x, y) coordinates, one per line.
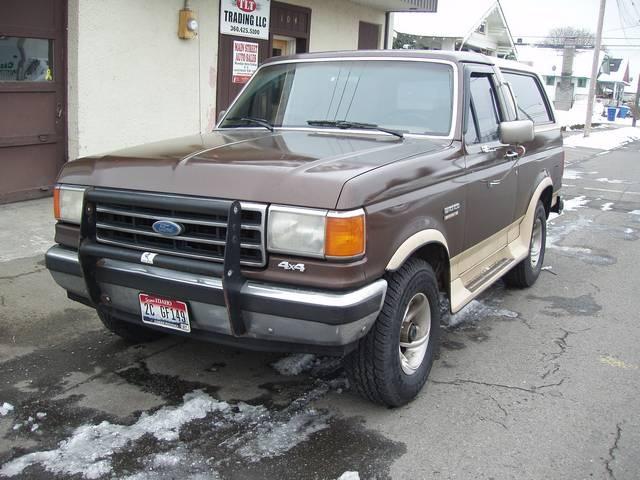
(636, 107)
(595, 68)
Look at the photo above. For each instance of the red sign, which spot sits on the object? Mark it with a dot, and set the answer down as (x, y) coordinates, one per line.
(246, 5)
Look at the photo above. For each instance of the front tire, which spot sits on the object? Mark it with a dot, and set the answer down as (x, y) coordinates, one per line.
(391, 363)
(526, 273)
(129, 332)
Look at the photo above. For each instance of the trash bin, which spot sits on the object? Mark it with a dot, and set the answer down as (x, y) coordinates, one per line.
(624, 112)
(611, 114)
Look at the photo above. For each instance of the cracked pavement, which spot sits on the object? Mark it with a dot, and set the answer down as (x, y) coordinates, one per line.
(539, 383)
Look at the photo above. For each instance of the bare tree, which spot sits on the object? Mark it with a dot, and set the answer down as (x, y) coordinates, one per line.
(581, 37)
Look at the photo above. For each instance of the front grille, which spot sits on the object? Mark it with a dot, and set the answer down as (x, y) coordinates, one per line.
(203, 237)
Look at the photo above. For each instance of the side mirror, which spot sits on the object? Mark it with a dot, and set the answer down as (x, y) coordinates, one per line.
(518, 131)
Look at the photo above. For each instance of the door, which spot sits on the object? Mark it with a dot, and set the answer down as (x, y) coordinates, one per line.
(491, 177)
(32, 96)
(368, 36)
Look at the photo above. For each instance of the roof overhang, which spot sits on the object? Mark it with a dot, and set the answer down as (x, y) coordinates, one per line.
(401, 5)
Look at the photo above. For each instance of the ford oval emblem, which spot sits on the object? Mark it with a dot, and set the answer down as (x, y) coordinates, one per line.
(168, 228)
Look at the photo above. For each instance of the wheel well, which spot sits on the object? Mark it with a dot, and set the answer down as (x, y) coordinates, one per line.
(546, 197)
(436, 255)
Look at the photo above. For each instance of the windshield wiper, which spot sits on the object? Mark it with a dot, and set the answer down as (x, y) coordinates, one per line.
(347, 125)
(256, 121)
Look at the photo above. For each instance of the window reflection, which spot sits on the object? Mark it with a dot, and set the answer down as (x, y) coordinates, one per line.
(26, 59)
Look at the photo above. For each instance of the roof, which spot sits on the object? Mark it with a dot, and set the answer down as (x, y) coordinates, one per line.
(618, 73)
(452, 56)
(448, 21)
(548, 61)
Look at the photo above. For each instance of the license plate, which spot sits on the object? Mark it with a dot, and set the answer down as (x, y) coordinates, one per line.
(164, 312)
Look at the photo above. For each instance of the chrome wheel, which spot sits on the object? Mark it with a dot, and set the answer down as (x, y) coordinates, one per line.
(536, 243)
(414, 333)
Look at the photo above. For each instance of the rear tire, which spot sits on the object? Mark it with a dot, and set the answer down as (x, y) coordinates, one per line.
(526, 273)
(380, 368)
(129, 332)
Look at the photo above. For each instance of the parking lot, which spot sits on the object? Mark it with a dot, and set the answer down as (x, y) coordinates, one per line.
(538, 383)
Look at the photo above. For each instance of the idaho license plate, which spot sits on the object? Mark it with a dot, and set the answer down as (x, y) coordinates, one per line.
(164, 312)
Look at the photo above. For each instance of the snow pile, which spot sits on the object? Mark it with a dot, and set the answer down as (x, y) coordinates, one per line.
(89, 449)
(572, 204)
(477, 310)
(578, 115)
(605, 140)
(635, 212)
(294, 364)
(5, 408)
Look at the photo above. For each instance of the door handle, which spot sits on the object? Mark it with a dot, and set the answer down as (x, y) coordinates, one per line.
(59, 111)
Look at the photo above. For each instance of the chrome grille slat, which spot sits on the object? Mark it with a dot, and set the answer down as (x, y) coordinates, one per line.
(129, 225)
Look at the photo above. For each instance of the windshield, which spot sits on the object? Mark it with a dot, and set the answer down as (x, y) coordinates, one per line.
(410, 97)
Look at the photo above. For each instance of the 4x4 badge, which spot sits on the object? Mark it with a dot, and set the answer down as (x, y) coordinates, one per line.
(296, 267)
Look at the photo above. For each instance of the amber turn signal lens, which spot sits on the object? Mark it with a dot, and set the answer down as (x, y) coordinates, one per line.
(56, 203)
(344, 236)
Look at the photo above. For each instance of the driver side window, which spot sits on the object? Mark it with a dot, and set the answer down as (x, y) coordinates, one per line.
(483, 115)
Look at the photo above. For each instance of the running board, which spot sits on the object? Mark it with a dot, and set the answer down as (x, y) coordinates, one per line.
(487, 273)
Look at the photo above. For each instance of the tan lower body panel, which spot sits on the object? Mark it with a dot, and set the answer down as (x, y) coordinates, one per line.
(476, 269)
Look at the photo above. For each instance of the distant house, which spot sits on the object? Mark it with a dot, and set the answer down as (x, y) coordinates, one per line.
(470, 25)
(548, 63)
(612, 78)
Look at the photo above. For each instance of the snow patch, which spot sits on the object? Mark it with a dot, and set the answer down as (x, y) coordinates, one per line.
(572, 204)
(607, 207)
(605, 140)
(608, 180)
(635, 212)
(294, 364)
(89, 449)
(5, 408)
(350, 476)
(274, 439)
(477, 310)
(572, 175)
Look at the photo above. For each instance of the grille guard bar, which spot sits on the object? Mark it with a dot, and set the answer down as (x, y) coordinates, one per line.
(232, 278)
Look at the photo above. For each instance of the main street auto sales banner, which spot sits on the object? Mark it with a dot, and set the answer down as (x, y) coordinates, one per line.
(245, 18)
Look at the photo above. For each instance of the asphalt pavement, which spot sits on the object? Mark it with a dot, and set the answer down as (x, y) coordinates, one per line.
(529, 384)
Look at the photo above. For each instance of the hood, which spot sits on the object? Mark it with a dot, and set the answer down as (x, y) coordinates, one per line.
(303, 168)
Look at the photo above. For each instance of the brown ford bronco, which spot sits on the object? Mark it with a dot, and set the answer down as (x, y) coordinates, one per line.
(339, 196)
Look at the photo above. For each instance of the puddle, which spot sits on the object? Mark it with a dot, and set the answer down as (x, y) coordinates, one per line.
(581, 306)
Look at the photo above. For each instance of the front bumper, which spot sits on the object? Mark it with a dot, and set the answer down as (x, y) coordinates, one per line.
(276, 318)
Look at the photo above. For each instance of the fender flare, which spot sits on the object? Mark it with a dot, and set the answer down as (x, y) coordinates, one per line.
(413, 243)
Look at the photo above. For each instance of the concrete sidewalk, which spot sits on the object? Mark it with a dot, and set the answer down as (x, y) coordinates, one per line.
(26, 229)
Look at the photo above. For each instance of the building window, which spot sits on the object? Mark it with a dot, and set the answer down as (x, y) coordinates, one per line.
(551, 81)
(582, 83)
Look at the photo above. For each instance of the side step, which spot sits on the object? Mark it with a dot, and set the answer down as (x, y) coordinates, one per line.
(486, 274)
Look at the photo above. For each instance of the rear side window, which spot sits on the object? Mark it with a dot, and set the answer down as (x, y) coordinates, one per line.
(531, 100)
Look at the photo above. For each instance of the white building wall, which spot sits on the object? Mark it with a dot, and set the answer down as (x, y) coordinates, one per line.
(133, 81)
(335, 23)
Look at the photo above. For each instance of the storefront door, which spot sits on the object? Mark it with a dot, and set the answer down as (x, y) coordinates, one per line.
(32, 96)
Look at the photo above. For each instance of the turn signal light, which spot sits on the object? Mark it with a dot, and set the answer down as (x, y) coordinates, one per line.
(345, 234)
(56, 202)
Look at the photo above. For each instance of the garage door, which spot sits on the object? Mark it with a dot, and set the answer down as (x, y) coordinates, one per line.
(32, 96)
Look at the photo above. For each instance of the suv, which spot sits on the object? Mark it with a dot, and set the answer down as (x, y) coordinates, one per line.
(339, 196)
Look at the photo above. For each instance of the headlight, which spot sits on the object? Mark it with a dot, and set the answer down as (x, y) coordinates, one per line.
(67, 203)
(316, 233)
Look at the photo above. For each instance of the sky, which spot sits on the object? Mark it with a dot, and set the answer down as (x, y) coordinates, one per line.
(534, 18)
